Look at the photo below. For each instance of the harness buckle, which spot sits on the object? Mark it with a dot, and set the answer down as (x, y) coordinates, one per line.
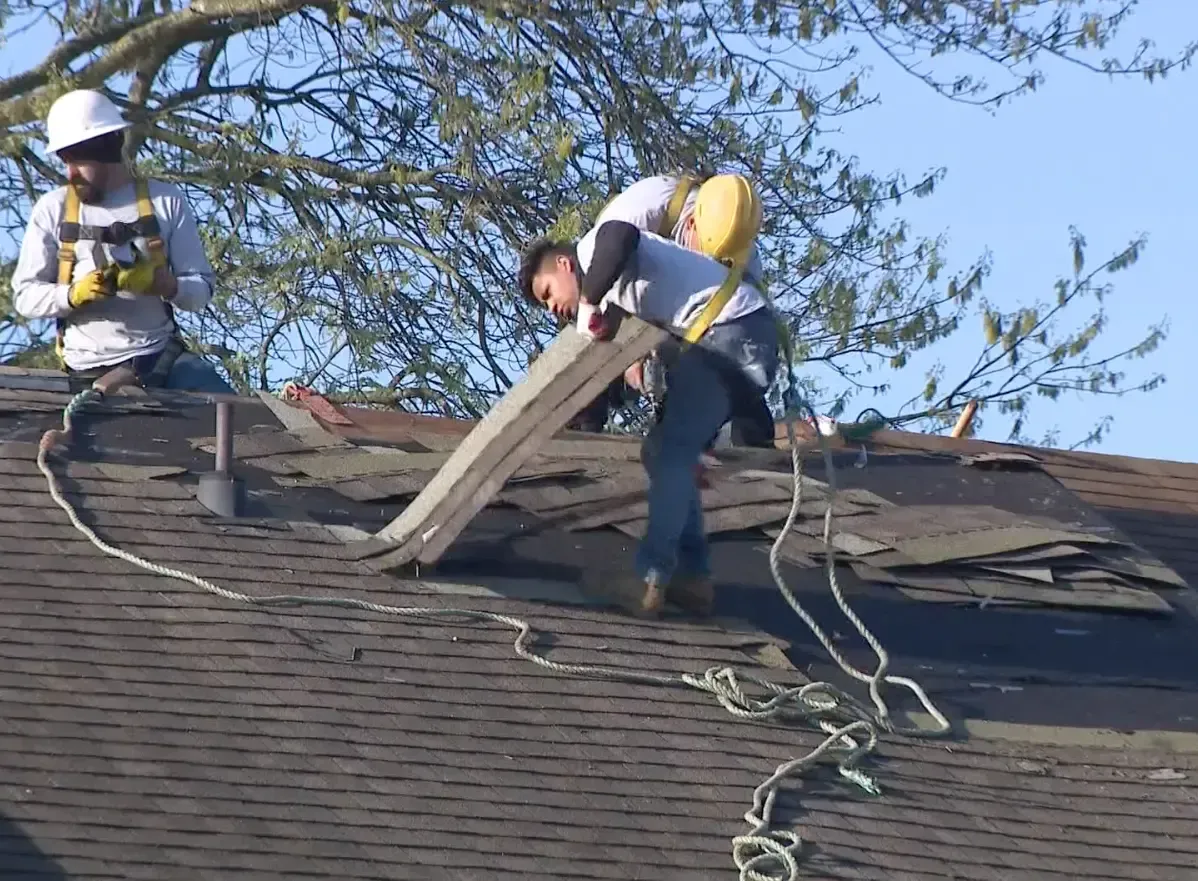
(120, 233)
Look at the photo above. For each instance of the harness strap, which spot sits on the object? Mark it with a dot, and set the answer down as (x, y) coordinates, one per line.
(145, 212)
(675, 206)
(118, 233)
(716, 304)
(68, 234)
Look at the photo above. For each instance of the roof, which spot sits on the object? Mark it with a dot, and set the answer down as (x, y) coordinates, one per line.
(154, 730)
(1153, 501)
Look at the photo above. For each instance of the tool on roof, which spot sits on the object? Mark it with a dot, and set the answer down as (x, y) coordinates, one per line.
(765, 854)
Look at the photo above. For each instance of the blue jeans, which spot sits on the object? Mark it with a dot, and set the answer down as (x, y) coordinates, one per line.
(705, 385)
(698, 403)
(193, 373)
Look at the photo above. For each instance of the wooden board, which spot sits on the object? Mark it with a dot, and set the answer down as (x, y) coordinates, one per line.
(567, 377)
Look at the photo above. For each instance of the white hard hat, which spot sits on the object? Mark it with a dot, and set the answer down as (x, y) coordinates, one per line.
(80, 116)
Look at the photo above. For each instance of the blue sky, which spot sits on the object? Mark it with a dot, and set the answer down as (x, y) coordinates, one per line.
(1112, 157)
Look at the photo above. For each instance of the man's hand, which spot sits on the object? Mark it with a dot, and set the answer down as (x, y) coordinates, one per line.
(634, 376)
(591, 323)
(148, 279)
(137, 279)
(96, 285)
(165, 283)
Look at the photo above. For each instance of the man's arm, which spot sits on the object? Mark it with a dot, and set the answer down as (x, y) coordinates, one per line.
(185, 251)
(615, 243)
(36, 292)
(643, 204)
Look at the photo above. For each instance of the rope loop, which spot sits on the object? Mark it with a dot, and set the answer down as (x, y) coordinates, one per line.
(770, 856)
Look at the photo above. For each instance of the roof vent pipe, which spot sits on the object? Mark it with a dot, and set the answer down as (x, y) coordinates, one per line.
(219, 491)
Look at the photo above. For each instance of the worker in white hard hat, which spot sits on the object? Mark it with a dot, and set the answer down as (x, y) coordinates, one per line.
(726, 348)
(666, 205)
(110, 257)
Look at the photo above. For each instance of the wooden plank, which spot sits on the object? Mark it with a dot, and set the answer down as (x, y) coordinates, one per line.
(568, 376)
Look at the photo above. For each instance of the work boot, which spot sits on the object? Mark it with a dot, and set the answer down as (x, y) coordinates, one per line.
(692, 593)
(639, 596)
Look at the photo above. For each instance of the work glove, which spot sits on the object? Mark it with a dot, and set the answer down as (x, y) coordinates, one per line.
(138, 278)
(591, 322)
(96, 285)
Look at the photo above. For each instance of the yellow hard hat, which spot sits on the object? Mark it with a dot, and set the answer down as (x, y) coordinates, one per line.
(727, 216)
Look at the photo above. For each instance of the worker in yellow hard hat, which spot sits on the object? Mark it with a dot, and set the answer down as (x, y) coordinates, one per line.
(723, 349)
(700, 215)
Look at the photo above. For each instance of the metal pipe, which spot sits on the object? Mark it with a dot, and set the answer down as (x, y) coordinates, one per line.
(224, 436)
(961, 429)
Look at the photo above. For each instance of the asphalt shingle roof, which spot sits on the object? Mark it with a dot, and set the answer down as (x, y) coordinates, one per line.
(149, 730)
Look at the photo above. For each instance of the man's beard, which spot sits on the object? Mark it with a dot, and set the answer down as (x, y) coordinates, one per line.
(88, 192)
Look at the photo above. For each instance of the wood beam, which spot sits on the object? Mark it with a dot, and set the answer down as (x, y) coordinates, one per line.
(568, 376)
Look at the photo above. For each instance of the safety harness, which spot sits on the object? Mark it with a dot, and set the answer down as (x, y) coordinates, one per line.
(70, 231)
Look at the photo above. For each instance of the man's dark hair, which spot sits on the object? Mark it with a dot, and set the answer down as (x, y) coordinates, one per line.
(535, 257)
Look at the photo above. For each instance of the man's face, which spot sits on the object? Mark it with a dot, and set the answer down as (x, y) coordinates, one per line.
(556, 287)
(89, 177)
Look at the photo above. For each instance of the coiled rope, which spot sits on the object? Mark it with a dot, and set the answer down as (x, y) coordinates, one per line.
(765, 854)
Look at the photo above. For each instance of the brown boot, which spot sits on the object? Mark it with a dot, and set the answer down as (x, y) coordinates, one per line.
(639, 596)
(692, 593)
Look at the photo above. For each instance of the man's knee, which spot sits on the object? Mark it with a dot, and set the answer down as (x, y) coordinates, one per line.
(193, 373)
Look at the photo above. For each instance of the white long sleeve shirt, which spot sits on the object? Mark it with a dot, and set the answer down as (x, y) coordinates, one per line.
(664, 283)
(645, 203)
(126, 325)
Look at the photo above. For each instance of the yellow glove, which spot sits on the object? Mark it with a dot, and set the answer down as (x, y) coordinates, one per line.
(96, 285)
(137, 279)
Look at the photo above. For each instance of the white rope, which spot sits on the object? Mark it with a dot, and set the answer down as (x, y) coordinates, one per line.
(764, 854)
